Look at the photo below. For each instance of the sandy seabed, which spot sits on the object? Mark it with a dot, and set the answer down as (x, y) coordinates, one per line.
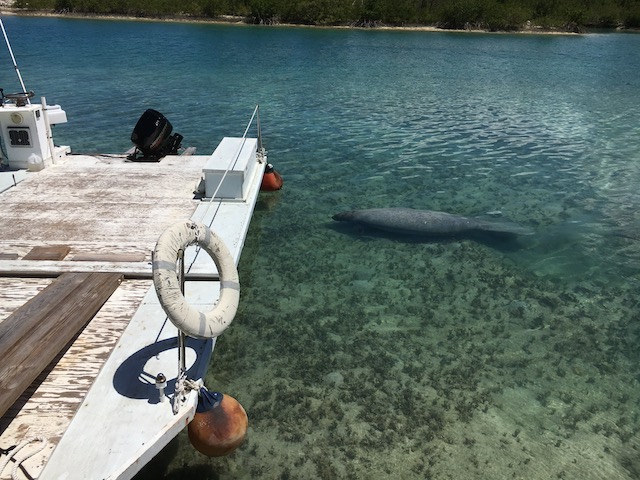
(428, 360)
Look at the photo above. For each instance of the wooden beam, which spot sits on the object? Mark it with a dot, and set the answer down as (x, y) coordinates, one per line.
(32, 336)
(109, 257)
(50, 269)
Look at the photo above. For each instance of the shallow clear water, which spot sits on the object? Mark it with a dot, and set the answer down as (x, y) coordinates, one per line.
(365, 355)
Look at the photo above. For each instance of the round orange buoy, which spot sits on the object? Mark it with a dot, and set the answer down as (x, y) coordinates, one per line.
(219, 426)
(271, 180)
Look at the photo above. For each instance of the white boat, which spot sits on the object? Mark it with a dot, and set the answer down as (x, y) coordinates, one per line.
(77, 234)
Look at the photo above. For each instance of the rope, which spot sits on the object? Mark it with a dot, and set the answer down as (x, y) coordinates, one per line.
(179, 394)
(11, 454)
(193, 384)
(218, 202)
(232, 163)
(212, 200)
(183, 386)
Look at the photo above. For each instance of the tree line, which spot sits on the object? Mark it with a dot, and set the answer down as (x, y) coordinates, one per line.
(492, 15)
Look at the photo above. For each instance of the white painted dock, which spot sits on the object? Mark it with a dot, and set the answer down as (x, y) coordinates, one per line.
(98, 406)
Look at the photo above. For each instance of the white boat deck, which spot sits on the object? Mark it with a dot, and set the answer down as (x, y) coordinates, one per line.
(109, 213)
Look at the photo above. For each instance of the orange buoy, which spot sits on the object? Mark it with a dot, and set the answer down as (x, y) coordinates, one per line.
(271, 180)
(219, 425)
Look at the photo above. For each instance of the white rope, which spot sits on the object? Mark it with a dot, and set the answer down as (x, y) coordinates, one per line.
(231, 164)
(179, 394)
(19, 461)
(234, 160)
(193, 384)
(183, 386)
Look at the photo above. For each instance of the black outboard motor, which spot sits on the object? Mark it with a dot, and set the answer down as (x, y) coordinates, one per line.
(152, 138)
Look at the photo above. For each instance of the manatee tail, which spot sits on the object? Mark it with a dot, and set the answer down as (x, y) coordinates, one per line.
(508, 228)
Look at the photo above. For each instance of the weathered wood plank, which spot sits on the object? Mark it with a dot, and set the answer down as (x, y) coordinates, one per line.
(33, 335)
(109, 257)
(48, 405)
(15, 292)
(54, 252)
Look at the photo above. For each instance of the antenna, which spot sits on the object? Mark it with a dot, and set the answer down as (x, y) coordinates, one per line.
(15, 65)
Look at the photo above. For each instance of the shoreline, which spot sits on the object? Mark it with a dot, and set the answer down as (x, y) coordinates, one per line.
(241, 21)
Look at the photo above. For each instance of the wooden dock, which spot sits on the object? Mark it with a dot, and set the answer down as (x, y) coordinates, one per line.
(81, 232)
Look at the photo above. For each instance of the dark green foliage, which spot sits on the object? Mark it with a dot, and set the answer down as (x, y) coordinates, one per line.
(495, 15)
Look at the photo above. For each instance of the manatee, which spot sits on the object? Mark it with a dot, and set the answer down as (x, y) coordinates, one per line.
(427, 222)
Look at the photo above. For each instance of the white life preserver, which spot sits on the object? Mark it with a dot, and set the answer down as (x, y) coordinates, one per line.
(165, 279)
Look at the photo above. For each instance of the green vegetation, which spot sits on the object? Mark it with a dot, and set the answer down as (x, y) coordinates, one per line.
(453, 14)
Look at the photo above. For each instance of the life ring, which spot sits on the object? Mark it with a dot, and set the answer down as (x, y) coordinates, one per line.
(165, 279)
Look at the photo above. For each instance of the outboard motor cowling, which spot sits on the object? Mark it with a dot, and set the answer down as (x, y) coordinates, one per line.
(152, 137)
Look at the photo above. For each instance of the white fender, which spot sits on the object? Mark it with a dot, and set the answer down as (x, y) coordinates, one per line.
(165, 279)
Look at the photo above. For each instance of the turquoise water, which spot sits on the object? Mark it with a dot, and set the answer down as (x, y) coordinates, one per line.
(366, 355)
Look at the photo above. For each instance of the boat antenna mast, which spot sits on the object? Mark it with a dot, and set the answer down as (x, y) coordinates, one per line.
(15, 65)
